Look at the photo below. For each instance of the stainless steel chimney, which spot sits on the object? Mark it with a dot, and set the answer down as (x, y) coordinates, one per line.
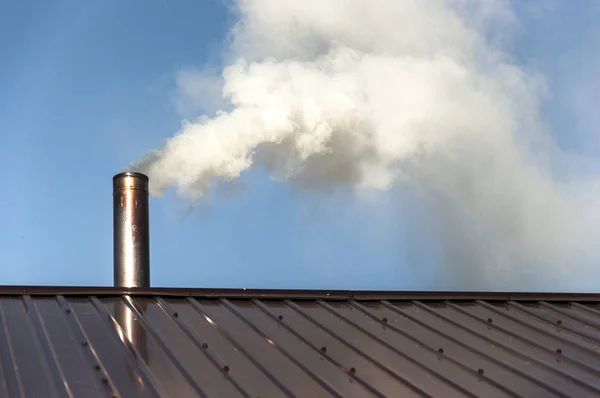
(131, 230)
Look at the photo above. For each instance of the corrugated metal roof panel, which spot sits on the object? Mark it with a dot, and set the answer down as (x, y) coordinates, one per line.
(170, 346)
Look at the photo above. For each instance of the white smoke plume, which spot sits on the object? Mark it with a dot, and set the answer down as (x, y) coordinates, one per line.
(373, 94)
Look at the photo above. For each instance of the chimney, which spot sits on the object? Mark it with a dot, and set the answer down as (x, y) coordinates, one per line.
(131, 230)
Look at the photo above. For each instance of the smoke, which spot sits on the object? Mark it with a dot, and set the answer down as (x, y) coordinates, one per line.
(375, 94)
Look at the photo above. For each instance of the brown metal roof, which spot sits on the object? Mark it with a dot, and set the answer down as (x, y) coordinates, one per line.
(58, 342)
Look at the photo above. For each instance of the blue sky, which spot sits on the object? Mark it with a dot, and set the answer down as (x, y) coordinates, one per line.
(87, 87)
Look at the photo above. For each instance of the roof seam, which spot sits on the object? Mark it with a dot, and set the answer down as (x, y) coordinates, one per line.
(48, 356)
(313, 376)
(362, 382)
(586, 308)
(72, 321)
(8, 358)
(401, 379)
(553, 308)
(196, 306)
(540, 363)
(192, 336)
(532, 314)
(450, 359)
(139, 366)
(147, 325)
(406, 356)
(491, 358)
(541, 331)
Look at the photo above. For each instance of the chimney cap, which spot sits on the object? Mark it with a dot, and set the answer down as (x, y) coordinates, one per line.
(134, 174)
(130, 180)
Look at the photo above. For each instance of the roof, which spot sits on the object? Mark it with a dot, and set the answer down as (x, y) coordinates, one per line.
(98, 342)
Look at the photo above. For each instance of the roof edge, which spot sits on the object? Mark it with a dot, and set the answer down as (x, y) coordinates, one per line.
(295, 294)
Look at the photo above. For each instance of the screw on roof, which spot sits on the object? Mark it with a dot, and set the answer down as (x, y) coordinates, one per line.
(204, 345)
(480, 371)
(441, 350)
(489, 320)
(323, 349)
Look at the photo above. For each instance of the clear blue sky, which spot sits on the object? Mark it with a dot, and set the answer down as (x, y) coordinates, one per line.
(87, 87)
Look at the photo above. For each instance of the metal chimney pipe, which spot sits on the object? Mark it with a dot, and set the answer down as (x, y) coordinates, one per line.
(131, 230)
